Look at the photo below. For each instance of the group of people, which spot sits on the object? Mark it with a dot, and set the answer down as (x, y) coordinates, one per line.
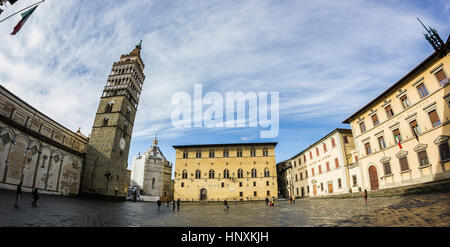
(35, 195)
(270, 202)
(174, 204)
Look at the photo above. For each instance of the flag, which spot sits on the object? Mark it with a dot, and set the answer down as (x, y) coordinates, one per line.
(1, 10)
(415, 134)
(25, 16)
(398, 141)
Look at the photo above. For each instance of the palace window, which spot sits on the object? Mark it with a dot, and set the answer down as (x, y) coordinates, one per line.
(387, 168)
(304, 158)
(239, 153)
(423, 158)
(320, 169)
(265, 152)
(241, 194)
(333, 143)
(389, 111)
(267, 183)
(240, 173)
(185, 154)
(266, 173)
(254, 174)
(295, 164)
(301, 175)
(375, 120)
(254, 184)
(306, 174)
(185, 174)
(182, 185)
(310, 155)
(397, 136)
(381, 142)
(198, 174)
(444, 151)
(312, 171)
(317, 151)
(211, 153)
(339, 183)
(321, 186)
(240, 184)
(403, 164)
(105, 121)
(211, 173)
(254, 193)
(422, 90)
(367, 147)
(296, 178)
(109, 107)
(328, 165)
(198, 154)
(355, 181)
(223, 185)
(252, 152)
(441, 77)
(268, 193)
(362, 127)
(226, 173)
(336, 162)
(225, 153)
(345, 139)
(434, 118)
(414, 127)
(405, 101)
(324, 147)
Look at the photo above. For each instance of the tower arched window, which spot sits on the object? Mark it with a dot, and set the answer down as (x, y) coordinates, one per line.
(125, 127)
(239, 152)
(211, 173)
(105, 121)
(185, 174)
(266, 172)
(185, 154)
(240, 173)
(265, 152)
(253, 152)
(211, 153)
(109, 107)
(254, 174)
(198, 174)
(226, 173)
(153, 183)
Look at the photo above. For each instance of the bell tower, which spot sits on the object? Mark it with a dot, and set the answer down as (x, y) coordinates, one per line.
(109, 141)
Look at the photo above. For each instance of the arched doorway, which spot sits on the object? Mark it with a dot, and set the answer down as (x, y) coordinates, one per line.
(373, 178)
(203, 194)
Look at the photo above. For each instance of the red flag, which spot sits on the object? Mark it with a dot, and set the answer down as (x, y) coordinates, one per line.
(25, 16)
(398, 141)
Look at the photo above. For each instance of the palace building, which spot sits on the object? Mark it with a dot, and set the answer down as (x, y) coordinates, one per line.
(322, 168)
(215, 172)
(402, 136)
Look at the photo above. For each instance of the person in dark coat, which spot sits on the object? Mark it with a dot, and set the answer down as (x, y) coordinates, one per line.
(178, 204)
(18, 195)
(35, 198)
(365, 196)
(267, 201)
(173, 205)
(158, 203)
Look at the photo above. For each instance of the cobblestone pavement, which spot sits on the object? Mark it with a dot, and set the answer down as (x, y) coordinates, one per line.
(418, 210)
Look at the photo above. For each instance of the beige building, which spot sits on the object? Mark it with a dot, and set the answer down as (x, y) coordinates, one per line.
(402, 136)
(215, 172)
(322, 168)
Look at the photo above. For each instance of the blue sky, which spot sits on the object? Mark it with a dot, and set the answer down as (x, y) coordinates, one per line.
(326, 59)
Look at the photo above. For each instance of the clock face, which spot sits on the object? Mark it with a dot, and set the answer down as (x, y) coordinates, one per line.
(122, 143)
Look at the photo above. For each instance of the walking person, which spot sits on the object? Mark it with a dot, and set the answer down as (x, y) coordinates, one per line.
(158, 203)
(225, 203)
(35, 198)
(293, 200)
(365, 196)
(235, 202)
(168, 203)
(267, 201)
(18, 195)
(116, 191)
(178, 204)
(173, 205)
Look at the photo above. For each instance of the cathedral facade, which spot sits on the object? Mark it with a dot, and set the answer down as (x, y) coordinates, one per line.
(151, 173)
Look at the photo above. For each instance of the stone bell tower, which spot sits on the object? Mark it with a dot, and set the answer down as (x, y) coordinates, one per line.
(109, 141)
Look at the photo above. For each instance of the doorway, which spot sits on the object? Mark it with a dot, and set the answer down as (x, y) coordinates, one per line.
(373, 178)
(203, 194)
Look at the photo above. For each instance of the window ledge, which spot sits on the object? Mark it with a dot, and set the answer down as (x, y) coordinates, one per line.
(424, 166)
(405, 171)
(389, 175)
(444, 161)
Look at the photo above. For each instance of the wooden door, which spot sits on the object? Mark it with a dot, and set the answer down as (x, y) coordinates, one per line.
(330, 188)
(373, 178)
(314, 190)
(203, 194)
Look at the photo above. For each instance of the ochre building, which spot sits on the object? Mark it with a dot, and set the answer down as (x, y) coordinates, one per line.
(402, 136)
(215, 172)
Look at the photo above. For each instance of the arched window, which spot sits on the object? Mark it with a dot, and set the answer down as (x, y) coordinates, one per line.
(211, 173)
(153, 183)
(125, 127)
(185, 154)
(211, 153)
(240, 173)
(252, 152)
(265, 152)
(239, 153)
(198, 174)
(128, 114)
(266, 173)
(105, 121)
(254, 174)
(109, 106)
(226, 173)
(185, 174)
(225, 153)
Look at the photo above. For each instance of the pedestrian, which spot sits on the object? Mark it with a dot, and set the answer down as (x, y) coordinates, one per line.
(225, 203)
(173, 205)
(235, 202)
(158, 203)
(116, 190)
(168, 203)
(178, 204)
(267, 201)
(35, 198)
(293, 200)
(365, 196)
(290, 200)
(272, 203)
(18, 195)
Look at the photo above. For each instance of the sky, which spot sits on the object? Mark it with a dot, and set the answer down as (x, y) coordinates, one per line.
(326, 60)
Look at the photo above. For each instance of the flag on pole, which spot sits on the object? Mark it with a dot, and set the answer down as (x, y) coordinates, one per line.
(25, 16)
(398, 141)
(415, 134)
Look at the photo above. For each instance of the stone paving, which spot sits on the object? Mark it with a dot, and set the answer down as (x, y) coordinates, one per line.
(417, 210)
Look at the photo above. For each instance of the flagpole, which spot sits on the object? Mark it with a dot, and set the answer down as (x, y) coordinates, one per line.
(22, 10)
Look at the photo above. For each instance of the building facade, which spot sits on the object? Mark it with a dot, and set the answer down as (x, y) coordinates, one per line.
(152, 173)
(402, 136)
(109, 142)
(37, 151)
(215, 172)
(322, 168)
(284, 177)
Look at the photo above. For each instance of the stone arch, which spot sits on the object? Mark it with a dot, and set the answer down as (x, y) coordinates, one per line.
(53, 170)
(7, 137)
(69, 175)
(16, 159)
(42, 166)
(30, 167)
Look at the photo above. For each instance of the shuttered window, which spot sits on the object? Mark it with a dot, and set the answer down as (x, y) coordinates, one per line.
(423, 158)
(387, 168)
(362, 126)
(389, 111)
(434, 118)
(403, 164)
(442, 78)
(414, 127)
(375, 119)
(405, 101)
(368, 150)
(422, 90)
(444, 151)
(336, 162)
(397, 136)
(381, 142)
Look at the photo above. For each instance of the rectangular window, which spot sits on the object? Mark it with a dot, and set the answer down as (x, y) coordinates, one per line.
(404, 164)
(355, 182)
(367, 147)
(333, 144)
(240, 184)
(339, 183)
(306, 174)
(317, 151)
(310, 155)
(423, 158)
(321, 186)
(375, 119)
(389, 111)
(434, 118)
(441, 77)
(304, 158)
(345, 139)
(182, 185)
(328, 165)
(301, 175)
(211, 154)
(324, 147)
(414, 127)
(397, 136)
(336, 162)
(312, 171)
(267, 183)
(254, 184)
(225, 153)
(444, 151)
(320, 169)
(422, 90)
(198, 154)
(295, 165)
(381, 142)
(254, 193)
(405, 101)
(387, 168)
(241, 194)
(297, 191)
(223, 185)
(296, 178)
(239, 153)
(307, 189)
(268, 192)
(362, 127)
